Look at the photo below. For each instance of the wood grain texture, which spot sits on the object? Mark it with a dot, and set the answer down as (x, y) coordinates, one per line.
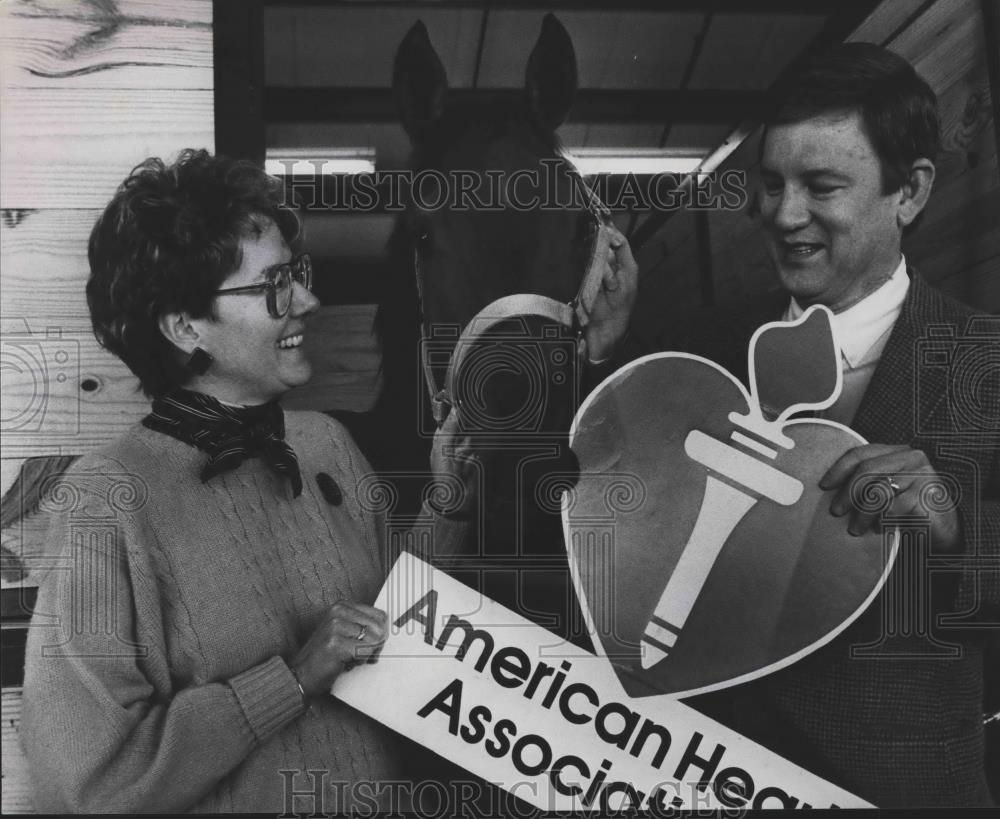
(344, 351)
(117, 44)
(43, 256)
(61, 393)
(26, 553)
(944, 42)
(9, 469)
(960, 231)
(16, 786)
(66, 148)
(885, 21)
(968, 145)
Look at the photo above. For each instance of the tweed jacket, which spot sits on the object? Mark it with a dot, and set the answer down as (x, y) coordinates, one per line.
(892, 708)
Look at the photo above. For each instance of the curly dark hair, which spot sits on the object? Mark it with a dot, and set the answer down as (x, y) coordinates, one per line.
(897, 106)
(165, 243)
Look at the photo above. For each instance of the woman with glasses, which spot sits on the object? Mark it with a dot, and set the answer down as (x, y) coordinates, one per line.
(182, 652)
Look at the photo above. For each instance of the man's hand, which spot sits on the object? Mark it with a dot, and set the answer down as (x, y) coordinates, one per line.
(456, 469)
(905, 473)
(612, 309)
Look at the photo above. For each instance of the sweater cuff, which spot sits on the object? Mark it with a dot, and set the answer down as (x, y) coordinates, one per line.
(269, 696)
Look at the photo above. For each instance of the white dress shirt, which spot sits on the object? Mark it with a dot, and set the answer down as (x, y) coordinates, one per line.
(861, 332)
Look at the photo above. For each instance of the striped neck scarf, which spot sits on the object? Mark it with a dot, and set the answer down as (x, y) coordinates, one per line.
(229, 435)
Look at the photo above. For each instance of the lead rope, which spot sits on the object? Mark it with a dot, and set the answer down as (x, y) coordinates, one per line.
(440, 403)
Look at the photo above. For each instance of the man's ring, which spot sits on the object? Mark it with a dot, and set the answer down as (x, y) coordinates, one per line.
(362, 631)
(895, 487)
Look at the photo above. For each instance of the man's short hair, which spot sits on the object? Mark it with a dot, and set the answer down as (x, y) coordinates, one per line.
(165, 243)
(898, 109)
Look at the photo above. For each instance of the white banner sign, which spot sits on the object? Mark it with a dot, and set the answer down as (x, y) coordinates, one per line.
(549, 722)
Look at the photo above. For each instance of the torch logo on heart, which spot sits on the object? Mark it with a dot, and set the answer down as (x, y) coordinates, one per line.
(733, 567)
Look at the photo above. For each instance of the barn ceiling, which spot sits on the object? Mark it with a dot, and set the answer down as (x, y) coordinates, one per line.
(678, 74)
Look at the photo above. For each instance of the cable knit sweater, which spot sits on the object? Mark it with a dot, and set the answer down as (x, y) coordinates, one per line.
(156, 675)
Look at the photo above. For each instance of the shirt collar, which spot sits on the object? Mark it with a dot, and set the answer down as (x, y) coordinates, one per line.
(857, 328)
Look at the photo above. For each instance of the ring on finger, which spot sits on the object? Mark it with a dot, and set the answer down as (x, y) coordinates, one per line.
(362, 631)
(895, 487)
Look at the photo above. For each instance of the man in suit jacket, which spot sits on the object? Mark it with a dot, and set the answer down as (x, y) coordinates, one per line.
(892, 708)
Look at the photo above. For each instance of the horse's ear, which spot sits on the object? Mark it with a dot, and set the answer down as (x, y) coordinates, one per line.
(418, 82)
(550, 80)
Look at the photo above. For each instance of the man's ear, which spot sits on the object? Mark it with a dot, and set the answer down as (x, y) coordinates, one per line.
(179, 330)
(915, 192)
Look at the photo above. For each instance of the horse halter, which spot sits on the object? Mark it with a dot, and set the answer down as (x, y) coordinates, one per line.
(574, 314)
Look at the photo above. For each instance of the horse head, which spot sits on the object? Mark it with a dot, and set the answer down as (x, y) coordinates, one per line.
(494, 207)
(511, 230)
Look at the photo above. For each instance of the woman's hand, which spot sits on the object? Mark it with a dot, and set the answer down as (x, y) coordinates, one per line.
(350, 632)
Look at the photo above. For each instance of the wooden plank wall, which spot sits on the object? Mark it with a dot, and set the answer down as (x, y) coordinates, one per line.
(85, 97)
(957, 247)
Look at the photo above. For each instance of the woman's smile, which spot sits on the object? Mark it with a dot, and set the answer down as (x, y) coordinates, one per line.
(257, 357)
(292, 342)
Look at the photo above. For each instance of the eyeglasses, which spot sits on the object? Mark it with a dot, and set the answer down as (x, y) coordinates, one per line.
(279, 284)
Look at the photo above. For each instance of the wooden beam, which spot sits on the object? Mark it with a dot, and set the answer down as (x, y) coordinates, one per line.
(329, 104)
(480, 45)
(991, 31)
(556, 6)
(238, 31)
(699, 45)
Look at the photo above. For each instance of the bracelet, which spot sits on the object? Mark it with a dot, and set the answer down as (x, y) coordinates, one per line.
(298, 682)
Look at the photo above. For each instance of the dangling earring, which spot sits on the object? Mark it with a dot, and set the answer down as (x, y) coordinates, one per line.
(199, 361)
